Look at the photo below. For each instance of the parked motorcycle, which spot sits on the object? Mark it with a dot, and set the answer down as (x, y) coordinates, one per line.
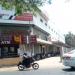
(27, 64)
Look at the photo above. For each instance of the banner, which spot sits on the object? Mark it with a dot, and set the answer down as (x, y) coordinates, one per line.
(17, 39)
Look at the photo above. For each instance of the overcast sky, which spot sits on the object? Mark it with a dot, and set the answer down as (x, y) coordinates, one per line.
(62, 14)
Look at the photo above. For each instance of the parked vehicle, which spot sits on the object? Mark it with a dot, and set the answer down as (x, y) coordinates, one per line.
(39, 56)
(27, 63)
(47, 55)
(69, 59)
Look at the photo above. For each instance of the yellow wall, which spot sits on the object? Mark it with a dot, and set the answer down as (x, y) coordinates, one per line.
(9, 61)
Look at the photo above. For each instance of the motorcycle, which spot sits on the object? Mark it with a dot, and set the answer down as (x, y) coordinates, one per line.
(27, 63)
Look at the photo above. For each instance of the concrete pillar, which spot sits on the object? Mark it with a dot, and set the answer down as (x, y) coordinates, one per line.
(61, 53)
(32, 50)
(31, 31)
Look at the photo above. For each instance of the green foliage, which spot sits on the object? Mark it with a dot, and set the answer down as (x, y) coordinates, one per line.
(70, 39)
(23, 5)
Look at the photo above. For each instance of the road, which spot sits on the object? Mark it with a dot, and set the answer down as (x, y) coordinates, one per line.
(49, 66)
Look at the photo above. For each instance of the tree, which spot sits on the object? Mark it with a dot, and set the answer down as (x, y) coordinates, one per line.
(23, 5)
(70, 39)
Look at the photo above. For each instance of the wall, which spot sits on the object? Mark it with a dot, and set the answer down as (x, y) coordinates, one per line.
(56, 35)
(40, 34)
(37, 22)
(49, 28)
(9, 61)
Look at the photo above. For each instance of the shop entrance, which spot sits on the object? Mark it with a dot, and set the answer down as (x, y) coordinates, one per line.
(8, 51)
(42, 49)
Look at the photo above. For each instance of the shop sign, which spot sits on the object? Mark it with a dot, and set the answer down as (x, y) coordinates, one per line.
(32, 39)
(24, 39)
(17, 38)
(5, 39)
(5, 42)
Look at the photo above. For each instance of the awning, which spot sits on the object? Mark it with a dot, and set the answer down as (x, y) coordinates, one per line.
(43, 41)
(10, 22)
(60, 44)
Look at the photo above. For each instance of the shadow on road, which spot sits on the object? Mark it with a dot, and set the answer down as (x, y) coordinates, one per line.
(27, 69)
(69, 69)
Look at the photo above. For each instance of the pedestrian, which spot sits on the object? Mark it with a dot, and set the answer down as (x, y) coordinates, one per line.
(61, 54)
(20, 53)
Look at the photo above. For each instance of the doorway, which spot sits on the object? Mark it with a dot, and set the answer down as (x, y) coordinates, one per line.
(8, 51)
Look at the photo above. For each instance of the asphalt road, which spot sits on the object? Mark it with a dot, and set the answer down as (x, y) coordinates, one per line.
(49, 66)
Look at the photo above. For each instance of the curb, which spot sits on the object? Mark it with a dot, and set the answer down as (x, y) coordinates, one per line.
(8, 68)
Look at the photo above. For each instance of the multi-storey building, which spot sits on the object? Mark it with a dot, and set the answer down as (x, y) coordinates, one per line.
(30, 32)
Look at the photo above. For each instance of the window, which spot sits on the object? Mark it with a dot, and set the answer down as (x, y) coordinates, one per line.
(8, 51)
(0, 17)
(41, 20)
(11, 49)
(46, 38)
(49, 27)
(4, 51)
(53, 31)
(46, 24)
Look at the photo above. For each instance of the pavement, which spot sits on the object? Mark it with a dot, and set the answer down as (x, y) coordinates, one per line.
(8, 68)
(52, 61)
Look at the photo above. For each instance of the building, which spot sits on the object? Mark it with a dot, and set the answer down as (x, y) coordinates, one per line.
(30, 32)
(56, 37)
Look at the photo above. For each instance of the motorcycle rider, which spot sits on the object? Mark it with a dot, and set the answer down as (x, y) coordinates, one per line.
(27, 60)
(20, 53)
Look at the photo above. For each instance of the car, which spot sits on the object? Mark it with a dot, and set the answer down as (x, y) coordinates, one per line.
(68, 59)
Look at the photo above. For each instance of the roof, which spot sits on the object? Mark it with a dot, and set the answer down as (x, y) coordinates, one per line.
(60, 44)
(24, 17)
(14, 22)
(43, 41)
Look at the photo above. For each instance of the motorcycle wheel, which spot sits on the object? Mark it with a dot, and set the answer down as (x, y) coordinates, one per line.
(20, 67)
(35, 66)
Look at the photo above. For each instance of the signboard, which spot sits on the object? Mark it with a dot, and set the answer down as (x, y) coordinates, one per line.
(29, 39)
(32, 39)
(5, 42)
(5, 39)
(25, 17)
(17, 39)
(24, 38)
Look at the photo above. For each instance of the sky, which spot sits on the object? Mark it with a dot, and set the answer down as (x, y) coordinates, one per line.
(62, 14)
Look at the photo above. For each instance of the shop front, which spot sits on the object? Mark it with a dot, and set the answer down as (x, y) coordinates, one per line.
(10, 39)
(8, 50)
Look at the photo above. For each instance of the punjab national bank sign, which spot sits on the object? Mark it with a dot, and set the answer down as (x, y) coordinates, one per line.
(11, 39)
(18, 39)
(5, 39)
(30, 39)
(22, 39)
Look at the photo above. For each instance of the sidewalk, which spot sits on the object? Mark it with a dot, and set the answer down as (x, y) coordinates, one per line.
(9, 68)
(48, 62)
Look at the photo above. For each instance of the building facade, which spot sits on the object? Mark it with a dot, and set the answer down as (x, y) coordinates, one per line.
(31, 33)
